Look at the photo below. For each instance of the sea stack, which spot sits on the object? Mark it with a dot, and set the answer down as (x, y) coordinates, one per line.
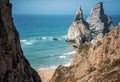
(79, 30)
(14, 67)
(99, 22)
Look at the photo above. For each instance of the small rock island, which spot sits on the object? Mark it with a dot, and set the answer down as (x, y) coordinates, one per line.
(97, 24)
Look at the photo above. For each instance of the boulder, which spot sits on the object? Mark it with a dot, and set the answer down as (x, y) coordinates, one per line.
(55, 39)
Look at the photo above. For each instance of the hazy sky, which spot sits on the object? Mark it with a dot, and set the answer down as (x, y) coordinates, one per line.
(62, 6)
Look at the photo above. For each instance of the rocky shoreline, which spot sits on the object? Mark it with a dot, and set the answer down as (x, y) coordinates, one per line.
(97, 60)
(94, 63)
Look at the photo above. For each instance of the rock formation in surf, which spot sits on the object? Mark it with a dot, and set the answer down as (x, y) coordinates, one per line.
(14, 67)
(79, 30)
(97, 23)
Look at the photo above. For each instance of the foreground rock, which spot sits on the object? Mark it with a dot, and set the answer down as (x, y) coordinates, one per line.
(14, 67)
(94, 63)
(79, 30)
(99, 22)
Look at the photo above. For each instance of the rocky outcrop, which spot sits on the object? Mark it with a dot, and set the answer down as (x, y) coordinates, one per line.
(79, 30)
(14, 67)
(99, 62)
(98, 21)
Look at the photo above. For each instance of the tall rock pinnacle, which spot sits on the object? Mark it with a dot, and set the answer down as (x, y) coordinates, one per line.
(79, 14)
(79, 30)
(99, 22)
(14, 67)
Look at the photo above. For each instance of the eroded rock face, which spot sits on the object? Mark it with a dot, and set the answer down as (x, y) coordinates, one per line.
(98, 21)
(79, 30)
(14, 67)
(94, 63)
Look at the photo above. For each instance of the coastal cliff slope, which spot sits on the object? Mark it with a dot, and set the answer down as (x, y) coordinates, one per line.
(79, 30)
(94, 63)
(14, 67)
(99, 22)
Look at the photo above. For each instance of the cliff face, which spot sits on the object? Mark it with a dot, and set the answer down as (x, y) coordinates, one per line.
(79, 30)
(99, 22)
(94, 63)
(13, 65)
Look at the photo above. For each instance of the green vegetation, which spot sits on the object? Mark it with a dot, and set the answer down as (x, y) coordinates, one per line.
(84, 48)
(99, 43)
(91, 69)
(115, 62)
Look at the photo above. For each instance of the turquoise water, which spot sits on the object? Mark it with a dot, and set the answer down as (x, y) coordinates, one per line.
(36, 37)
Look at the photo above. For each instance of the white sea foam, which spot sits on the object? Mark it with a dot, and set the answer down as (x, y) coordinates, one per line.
(70, 53)
(48, 38)
(44, 38)
(67, 64)
(62, 57)
(51, 67)
(26, 42)
(64, 36)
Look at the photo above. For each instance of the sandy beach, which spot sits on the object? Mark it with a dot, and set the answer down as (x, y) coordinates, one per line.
(46, 74)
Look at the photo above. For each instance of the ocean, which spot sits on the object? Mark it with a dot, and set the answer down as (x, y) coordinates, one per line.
(42, 38)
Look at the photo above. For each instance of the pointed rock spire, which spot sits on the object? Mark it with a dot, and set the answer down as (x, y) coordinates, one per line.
(79, 14)
(98, 8)
(79, 30)
(98, 21)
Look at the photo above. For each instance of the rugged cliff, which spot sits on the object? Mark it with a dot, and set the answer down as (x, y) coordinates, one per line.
(98, 62)
(14, 67)
(79, 30)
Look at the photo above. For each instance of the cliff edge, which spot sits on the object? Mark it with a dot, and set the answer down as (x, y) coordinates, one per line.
(94, 63)
(14, 67)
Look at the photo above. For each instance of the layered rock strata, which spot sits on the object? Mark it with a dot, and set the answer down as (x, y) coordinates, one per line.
(14, 67)
(79, 30)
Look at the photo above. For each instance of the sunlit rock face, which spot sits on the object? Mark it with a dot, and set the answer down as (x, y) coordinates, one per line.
(97, 62)
(79, 30)
(94, 63)
(99, 22)
(14, 67)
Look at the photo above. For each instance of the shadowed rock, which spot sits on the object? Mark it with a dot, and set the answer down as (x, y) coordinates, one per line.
(14, 67)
